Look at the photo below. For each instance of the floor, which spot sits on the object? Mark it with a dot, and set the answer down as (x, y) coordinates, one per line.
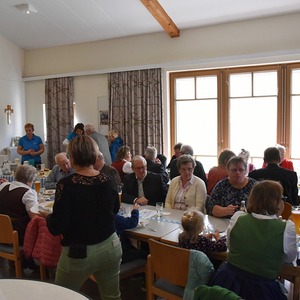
(131, 288)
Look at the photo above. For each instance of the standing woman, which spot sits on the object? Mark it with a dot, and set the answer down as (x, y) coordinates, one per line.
(84, 209)
(115, 142)
(30, 145)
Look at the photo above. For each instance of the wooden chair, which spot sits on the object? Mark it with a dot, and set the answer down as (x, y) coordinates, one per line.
(167, 271)
(287, 211)
(9, 244)
(292, 274)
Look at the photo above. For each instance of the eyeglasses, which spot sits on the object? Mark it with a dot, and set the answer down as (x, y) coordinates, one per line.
(139, 168)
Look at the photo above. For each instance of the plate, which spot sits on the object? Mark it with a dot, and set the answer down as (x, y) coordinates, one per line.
(49, 192)
(46, 206)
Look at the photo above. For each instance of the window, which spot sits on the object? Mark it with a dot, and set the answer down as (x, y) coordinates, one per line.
(249, 107)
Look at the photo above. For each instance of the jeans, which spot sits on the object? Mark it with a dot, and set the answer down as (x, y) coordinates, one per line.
(103, 261)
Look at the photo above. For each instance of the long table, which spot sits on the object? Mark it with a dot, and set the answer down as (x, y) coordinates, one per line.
(168, 227)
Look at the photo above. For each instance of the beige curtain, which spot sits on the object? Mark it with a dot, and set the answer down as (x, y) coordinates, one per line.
(59, 114)
(135, 107)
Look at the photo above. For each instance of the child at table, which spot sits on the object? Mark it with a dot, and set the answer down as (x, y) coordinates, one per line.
(130, 252)
(193, 224)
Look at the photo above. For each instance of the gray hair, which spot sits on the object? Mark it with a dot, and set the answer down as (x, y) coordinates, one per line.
(187, 149)
(138, 158)
(184, 159)
(59, 156)
(26, 173)
(100, 155)
(89, 127)
(150, 153)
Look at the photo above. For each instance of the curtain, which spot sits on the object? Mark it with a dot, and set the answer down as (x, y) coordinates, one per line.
(135, 108)
(59, 114)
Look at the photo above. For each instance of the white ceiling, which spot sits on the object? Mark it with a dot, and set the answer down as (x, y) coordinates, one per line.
(63, 22)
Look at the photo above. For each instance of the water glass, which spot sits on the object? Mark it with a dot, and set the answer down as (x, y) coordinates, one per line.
(159, 209)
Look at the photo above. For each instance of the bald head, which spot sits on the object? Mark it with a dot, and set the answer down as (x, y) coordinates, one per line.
(62, 161)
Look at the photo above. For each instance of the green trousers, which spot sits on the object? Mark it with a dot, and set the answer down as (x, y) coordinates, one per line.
(103, 261)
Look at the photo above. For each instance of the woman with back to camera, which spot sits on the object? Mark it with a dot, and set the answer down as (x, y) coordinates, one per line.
(227, 195)
(83, 212)
(258, 242)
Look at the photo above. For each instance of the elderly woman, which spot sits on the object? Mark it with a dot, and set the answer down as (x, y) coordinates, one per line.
(123, 162)
(186, 191)
(83, 213)
(30, 146)
(258, 242)
(225, 199)
(17, 198)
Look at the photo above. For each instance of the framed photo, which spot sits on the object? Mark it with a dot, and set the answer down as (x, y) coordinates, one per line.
(103, 117)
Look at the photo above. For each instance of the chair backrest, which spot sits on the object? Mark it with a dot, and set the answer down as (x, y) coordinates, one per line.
(287, 211)
(6, 232)
(169, 262)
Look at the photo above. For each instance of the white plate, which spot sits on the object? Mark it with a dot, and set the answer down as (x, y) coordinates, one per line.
(46, 206)
(49, 192)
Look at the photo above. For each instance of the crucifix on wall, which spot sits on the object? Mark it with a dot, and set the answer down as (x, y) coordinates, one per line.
(8, 110)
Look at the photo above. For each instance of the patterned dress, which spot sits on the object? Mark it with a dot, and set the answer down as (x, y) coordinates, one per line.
(225, 194)
(203, 244)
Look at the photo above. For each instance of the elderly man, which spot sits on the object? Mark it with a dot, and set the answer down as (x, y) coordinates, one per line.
(287, 178)
(106, 169)
(101, 141)
(143, 187)
(59, 171)
(154, 164)
(198, 170)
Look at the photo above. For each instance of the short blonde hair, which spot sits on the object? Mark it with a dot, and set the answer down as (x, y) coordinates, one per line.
(192, 223)
(113, 133)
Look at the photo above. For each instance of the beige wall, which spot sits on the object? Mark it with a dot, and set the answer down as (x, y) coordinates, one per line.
(12, 91)
(276, 35)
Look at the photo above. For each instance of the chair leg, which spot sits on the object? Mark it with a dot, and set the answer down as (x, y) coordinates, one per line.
(42, 272)
(18, 267)
(296, 289)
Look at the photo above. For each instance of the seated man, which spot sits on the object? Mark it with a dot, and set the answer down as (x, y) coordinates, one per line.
(143, 187)
(59, 171)
(106, 169)
(273, 171)
(198, 170)
(154, 165)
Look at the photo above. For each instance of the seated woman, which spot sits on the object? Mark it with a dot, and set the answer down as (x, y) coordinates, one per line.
(258, 244)
(219, 172)
(123, 162)
(186, 191)
(245, 154)
(225, 199)
(17, 198)
(191, 238)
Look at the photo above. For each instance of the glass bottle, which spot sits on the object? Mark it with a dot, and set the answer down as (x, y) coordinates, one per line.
(243, 206)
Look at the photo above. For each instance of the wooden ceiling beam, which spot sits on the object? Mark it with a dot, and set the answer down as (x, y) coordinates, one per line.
(162, 17)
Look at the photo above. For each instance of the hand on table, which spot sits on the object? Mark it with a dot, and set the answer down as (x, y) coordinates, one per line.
(141, 201)
(231, 209)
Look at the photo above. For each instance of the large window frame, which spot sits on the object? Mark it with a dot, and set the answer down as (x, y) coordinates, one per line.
(283, 101)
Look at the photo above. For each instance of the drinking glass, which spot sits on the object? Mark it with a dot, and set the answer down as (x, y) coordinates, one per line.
(296, 219)
(37, 186)
(159, 209)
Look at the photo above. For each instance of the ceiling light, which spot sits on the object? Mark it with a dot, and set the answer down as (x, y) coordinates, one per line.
(26, 8)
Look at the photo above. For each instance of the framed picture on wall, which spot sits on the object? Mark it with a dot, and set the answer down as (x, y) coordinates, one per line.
(103, 117)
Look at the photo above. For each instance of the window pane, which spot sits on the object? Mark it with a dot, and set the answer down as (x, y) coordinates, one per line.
(295, 88)
(295, 127)
(253, 124)
(265, 83)
(206, 87)
(185, 88)
(197, 125)
(240, 85)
